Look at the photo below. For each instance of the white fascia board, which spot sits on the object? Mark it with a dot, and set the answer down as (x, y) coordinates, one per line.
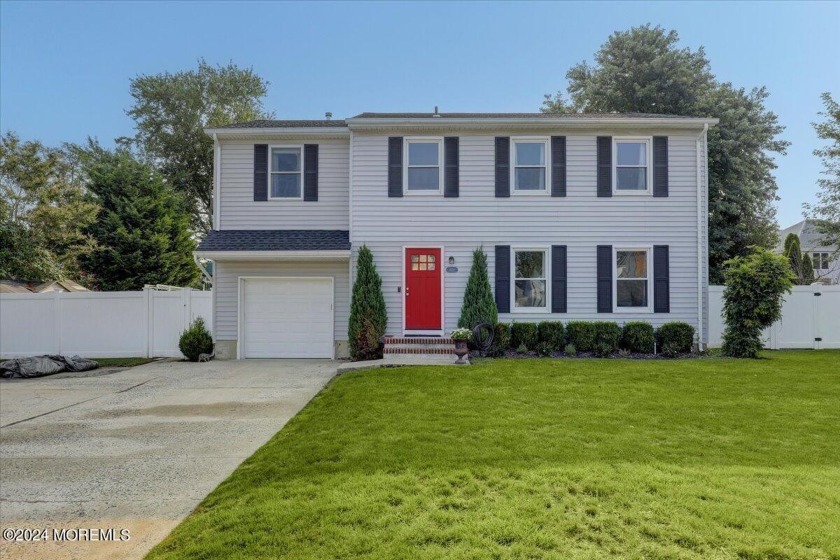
(547, 122)
(314, 132)
(273, 255)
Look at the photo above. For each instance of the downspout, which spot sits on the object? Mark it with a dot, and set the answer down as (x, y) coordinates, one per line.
(700, 184)
(217, 163)
(202, 269)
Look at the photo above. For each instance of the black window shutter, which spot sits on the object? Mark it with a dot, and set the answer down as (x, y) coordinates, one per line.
(503, 278)
(502, 166)
(661, 280)
(310, 172)
(558, 278)
(395, 167)
(605, 279)
(260, 172)
(605, 166)
(450, 169)
(660, 166)
(558, 166)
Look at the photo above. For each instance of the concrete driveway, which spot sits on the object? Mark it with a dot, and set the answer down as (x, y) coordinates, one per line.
(135, 449)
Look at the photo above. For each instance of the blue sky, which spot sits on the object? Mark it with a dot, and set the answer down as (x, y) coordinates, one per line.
(65, 67)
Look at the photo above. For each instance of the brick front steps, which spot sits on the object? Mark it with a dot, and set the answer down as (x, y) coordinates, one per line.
(422, 346)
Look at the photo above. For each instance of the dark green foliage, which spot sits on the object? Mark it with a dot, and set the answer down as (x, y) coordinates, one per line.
(142, 229)
(793, 253)
(644, 70)
(638, 336)
(582, 335)
(826, 211)
(368, 316)
(675, 337)
(807, 270)
(552, 333)
(544, 349)
(196, 340)
(570, 350)
(479, 305)
(607, 337)
(752, 300)
(170, 113)
(523, 334)
(501, 340)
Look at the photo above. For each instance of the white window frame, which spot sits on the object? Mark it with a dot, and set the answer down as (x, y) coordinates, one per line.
(649, 251)
(648, 140)
(824, 258)
(546, 141)
(422, 140)
(546, 251)
(271, 172)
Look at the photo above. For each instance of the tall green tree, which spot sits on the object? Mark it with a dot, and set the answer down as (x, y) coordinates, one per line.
(44, 211)
(171, 111)
(793, 253)
(368, 315)
(142, 228)
(479, 305)
(826, 211)
(644, 70)
(807, 270)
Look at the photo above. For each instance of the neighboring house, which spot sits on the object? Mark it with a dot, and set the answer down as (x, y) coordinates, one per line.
(591, 217)
(824, 257)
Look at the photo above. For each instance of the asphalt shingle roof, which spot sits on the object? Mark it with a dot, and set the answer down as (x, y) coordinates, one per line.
(513, 115)
(322, 123)
(276, 240)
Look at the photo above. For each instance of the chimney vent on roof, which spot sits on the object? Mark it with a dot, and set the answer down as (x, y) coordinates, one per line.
(436, 112)
(328, 115)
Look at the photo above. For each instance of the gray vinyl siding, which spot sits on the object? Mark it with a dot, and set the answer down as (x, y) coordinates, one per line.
(581, 221)
(239, 211)
(226, 290)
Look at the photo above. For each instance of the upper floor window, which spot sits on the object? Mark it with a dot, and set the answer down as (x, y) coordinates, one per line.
(423, 158)
(530, 274)
(820, 261)
(530, 172)
(286, 172)
(632, 278)
(631, 167)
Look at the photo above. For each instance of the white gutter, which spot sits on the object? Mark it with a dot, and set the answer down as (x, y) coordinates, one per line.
(700, 185)
(272, 255)
(571, 122)
(274, 131)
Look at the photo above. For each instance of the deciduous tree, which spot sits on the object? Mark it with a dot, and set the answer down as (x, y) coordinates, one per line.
(826, 211)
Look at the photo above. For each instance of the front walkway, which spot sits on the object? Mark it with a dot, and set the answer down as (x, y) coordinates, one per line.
(137, 449)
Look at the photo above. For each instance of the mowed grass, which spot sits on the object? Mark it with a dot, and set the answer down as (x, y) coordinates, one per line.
(544, 458)
(122, 362)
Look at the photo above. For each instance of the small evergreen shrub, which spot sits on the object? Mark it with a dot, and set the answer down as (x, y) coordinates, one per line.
(479, 305)
(624, 352)
(570, 350)
(582, 335)
(524, 334)
(637, 336)
(196, 340)
(368, 316)
(501, 340)
(675, 338)
(551, 333)
(522, 349)
(607, 337)
(544, 349)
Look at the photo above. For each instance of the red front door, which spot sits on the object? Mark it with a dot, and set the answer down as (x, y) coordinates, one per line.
(422, 289)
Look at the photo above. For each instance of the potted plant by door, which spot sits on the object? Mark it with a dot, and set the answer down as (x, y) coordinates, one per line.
(461, 338)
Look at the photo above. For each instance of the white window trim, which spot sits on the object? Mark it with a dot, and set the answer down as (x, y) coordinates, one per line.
(546, 141)
(648, 140)
(546, 250)
(824, 259)
(649, 250)
(271, 172)
(423, 140)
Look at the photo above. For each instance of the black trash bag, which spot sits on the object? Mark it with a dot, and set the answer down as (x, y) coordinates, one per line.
(40, 366)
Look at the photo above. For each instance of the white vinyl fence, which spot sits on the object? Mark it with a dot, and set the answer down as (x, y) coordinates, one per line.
(100, 324)
(810, 319)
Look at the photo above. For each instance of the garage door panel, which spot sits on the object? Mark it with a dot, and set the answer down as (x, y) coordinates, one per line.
(287, 318)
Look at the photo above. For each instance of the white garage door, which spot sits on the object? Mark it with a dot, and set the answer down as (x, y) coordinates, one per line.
(287, 317)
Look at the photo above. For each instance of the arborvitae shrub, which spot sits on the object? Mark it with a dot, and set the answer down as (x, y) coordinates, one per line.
(368, 316)
(479, 305)
(196, 340)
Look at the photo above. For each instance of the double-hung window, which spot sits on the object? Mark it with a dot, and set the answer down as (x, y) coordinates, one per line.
(631, 162)
(530, 170)
(820, 261)
(530, 273)
(286, 173)
(423, 165)
(632, 278)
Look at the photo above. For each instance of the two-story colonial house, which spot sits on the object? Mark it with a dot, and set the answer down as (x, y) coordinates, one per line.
(582, 216)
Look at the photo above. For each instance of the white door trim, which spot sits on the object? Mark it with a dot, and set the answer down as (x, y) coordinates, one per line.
(442, 329)
(240, 299)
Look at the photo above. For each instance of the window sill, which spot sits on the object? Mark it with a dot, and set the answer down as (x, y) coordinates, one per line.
(422, 193)
(632, 310)
(631, 193)
(529, 193)
(526, 310)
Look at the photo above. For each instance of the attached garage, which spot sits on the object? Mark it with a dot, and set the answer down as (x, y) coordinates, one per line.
(286, 317)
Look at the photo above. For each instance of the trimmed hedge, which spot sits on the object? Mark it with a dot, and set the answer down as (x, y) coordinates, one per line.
(501, 340)
(607, 337)
(675, 338)
(552, 333)
(523, 334)
(582, 335)
(637, 336)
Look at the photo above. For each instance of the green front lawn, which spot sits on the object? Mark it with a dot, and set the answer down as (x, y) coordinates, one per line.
(122, 362)
(544, 459)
